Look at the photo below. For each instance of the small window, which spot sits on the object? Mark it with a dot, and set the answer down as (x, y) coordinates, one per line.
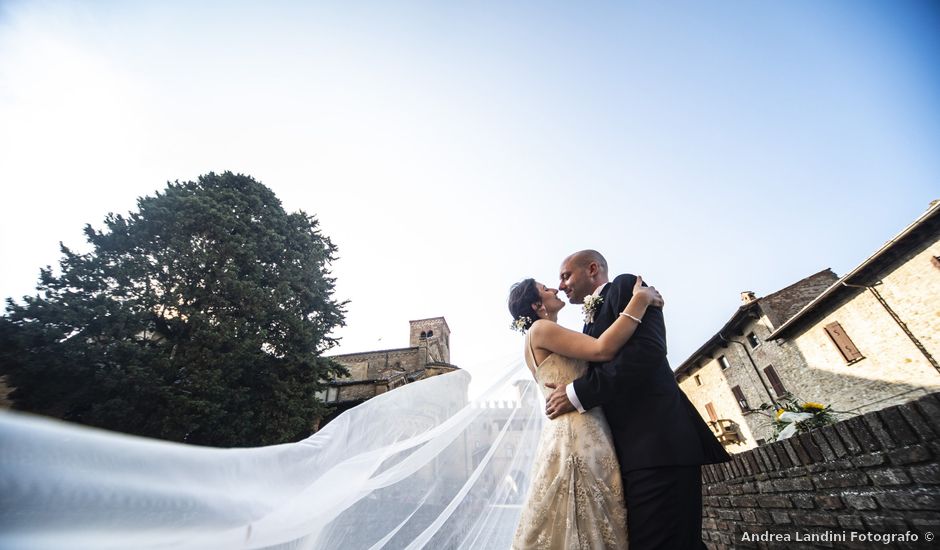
(752, 340)
(424, 335)
(843, 342)
(698, 381)
(711, 412)
(775, 381)
(331, 394)
(430, 333)
(723, 361)
(739, 396)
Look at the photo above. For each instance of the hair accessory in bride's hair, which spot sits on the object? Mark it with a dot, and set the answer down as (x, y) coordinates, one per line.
(522, 297)
(521, 324)
(590, 307)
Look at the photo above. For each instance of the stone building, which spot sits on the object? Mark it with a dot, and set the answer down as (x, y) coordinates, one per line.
(375, 372)
(866, 341)
(872, 340)
(737, 370)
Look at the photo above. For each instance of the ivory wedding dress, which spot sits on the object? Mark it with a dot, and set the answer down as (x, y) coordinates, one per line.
(576, 496)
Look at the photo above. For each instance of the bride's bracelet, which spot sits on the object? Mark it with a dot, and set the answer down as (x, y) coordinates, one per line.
(625, 314)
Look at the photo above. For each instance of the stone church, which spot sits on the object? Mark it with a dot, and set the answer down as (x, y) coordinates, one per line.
(862, 342)
(375, 372)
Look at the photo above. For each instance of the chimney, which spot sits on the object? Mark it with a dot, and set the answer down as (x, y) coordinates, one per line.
(748, 296)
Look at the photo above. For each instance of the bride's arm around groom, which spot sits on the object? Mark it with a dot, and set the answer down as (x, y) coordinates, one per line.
(635, 362)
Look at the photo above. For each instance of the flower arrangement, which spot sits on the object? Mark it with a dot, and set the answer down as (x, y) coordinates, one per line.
(520, 324)
(794, 416)
(591, 305)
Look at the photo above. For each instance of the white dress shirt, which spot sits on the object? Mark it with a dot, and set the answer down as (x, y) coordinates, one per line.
(569, 389)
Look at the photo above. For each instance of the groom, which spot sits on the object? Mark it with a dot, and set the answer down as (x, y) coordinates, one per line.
(661, 439)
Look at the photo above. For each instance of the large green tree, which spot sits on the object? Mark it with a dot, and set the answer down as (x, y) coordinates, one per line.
(202, 317)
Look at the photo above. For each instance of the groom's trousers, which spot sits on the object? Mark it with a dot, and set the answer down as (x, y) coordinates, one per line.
(664, 508)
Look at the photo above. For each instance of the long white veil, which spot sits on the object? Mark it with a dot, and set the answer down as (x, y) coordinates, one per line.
(419, 466)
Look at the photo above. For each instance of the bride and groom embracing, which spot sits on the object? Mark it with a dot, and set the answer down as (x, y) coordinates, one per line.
(621, 457)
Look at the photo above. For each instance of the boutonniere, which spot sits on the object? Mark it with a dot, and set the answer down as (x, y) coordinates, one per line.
(591, 305)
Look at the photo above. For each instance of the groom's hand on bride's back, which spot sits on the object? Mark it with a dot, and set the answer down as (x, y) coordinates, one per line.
(557, 403)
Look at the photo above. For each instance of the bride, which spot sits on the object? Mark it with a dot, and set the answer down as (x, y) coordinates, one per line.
(576, 496)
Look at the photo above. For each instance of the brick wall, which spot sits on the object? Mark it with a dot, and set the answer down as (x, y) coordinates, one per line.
(873, 474)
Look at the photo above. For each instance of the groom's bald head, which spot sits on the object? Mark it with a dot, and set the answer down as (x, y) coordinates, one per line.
(584, 258)
(581, 273)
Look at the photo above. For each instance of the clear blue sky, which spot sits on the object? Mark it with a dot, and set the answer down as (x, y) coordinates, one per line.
(450, 149)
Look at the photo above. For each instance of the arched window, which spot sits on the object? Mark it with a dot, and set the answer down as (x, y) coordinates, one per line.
(430, 333)
(424, 335)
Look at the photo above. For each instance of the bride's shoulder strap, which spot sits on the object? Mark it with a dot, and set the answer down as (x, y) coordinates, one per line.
(529, 352)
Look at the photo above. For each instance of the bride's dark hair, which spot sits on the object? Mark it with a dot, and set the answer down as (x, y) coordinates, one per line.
(521, 297)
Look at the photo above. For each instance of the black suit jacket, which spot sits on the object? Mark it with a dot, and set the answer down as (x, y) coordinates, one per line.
(653, 422)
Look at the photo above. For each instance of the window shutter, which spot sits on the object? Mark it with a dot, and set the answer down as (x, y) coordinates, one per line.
(775, 381)
(711, 412)
(843, 342)
(739, 396)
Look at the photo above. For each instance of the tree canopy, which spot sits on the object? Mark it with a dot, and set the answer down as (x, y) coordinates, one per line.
(202, 318)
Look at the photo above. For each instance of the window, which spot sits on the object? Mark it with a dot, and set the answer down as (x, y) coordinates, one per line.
(775, 381)
(331, 394)
(723, 361)
(711, 412)
(752, 340)
(739, 396)
(698, 381)
(843, 342)
(430, 333)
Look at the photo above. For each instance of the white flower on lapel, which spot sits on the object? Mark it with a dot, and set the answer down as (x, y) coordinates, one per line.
(591, 305)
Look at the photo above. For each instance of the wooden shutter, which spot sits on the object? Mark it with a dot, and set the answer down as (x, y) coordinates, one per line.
(739, 396)
(843, 342)
(711, 412)
(775, 381)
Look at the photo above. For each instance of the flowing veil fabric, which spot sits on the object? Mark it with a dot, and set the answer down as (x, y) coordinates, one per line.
(419, 466)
